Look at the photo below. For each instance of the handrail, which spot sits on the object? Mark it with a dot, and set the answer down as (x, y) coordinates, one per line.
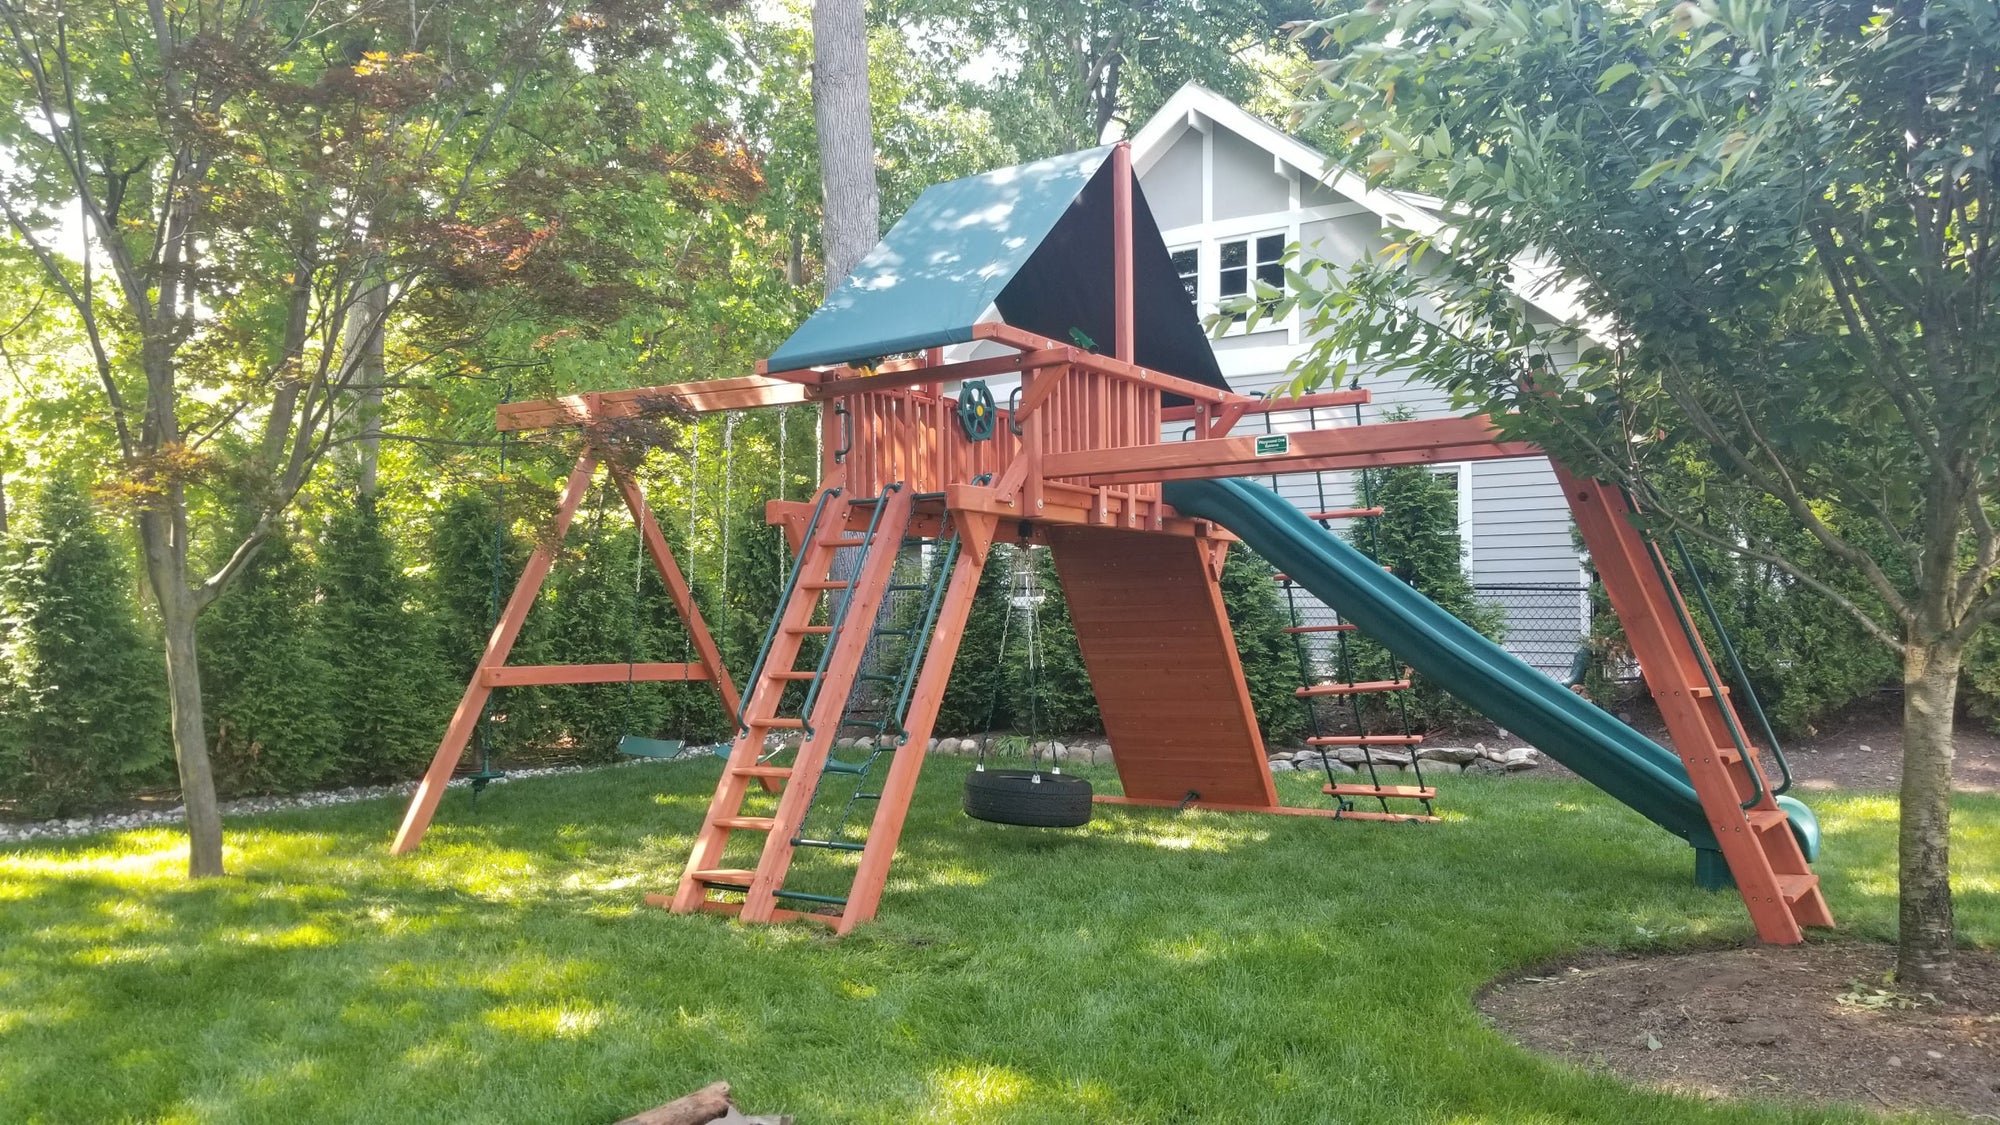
(1728, 713)
(771, 632)
(920, 640)
(1736, 667)
(839, 619)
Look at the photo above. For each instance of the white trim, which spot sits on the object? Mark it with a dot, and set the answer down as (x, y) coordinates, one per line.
(1536, 277)
(1265, 223)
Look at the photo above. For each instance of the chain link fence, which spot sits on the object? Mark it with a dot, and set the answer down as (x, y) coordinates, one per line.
(1545, 622)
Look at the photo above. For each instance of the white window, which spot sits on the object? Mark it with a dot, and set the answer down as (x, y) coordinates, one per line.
(1243, 259)
(1187, 263)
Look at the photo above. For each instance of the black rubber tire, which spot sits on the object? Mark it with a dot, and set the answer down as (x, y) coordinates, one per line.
(1015, 797)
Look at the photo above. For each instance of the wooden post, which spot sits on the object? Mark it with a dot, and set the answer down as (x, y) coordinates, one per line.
(1121, 248)
(430, 791)
(908, 761)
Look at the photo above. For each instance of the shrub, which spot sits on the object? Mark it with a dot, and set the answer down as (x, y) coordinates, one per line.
(389, 684)
(976, 697)
(1259, 617)
(84, 719)
(268, 687)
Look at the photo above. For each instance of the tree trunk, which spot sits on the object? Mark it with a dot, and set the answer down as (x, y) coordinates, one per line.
(366, 319)
(166, 570)
(853, 207)
(1925, 930)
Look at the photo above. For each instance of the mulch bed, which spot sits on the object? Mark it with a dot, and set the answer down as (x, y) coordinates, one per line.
(1815, 1023)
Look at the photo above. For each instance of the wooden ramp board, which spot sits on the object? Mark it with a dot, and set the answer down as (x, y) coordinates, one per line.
(1155, 637)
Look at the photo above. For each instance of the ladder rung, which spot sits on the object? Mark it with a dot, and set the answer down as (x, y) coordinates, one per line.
(1362, 688)
(1413, 792)
(740, 876)
(1705, 692)
(809, 630)
(1796, 887)
(830, 845)
(762, 771)
(746, 823)
(1320, 629)
(830, 900)
(824, 584)
(845, 541)
(1346, 514)
(794, 674)
(1366, 740)
(776, 723)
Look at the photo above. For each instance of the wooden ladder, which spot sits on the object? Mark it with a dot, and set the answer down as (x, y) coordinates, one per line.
(1752, 833)
(849, 615)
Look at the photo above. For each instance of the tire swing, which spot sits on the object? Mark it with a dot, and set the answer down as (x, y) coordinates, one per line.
(1034, 797)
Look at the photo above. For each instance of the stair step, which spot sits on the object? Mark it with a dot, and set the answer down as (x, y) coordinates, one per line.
(728, 875)
(824, 584)
(1413, 792)
(829, 845)
(1762, 819)
(1363, 687)
(747, 823)
(793, 674)
(1705, 692)
(762, 771)
(809, 630)
(1346, 513)
(1320, 629)
(845, 541)
(1366, 740)
(1796, 887)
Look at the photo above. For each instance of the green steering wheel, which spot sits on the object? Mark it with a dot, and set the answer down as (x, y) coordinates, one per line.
(976, 410)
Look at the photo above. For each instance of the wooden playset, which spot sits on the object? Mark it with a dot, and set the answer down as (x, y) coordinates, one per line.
(1022, 272)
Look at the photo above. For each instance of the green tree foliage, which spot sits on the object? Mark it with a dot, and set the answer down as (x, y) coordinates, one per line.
(389, 685)
(1765, 229)
(1806, 657)
(1046, 675)
(270, 690)
(1070, 70)
(1259, 617)
(975, 699)
(82, 717)
(462, 595)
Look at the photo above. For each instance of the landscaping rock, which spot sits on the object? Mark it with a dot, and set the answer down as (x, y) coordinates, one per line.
(1282, 766)
(1484, 765)
(1524, 758)
(1456, 754)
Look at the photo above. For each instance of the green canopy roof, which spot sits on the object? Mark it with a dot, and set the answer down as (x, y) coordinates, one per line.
(1033, 242)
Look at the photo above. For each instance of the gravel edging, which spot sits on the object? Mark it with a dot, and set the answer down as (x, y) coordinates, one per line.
(66, 828)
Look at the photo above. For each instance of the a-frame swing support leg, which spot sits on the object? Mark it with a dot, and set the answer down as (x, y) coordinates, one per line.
(430, 791)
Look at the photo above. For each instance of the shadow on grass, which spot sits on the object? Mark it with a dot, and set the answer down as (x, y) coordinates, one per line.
(1151, 967)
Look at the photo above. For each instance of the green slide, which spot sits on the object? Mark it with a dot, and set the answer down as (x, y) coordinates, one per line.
(1565, 726)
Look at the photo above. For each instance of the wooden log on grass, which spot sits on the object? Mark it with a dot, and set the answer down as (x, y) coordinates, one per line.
(698, 1108)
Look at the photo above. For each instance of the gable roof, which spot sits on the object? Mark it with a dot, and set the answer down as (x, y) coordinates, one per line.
(1033, 243)
(1535, 277)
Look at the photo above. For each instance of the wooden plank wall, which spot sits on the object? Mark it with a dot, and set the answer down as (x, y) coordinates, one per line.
(1163, 663)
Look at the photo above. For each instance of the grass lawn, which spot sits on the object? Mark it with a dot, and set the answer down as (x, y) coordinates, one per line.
(1151, 968)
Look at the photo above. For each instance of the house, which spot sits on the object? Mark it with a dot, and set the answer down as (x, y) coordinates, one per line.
(1230, 192)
